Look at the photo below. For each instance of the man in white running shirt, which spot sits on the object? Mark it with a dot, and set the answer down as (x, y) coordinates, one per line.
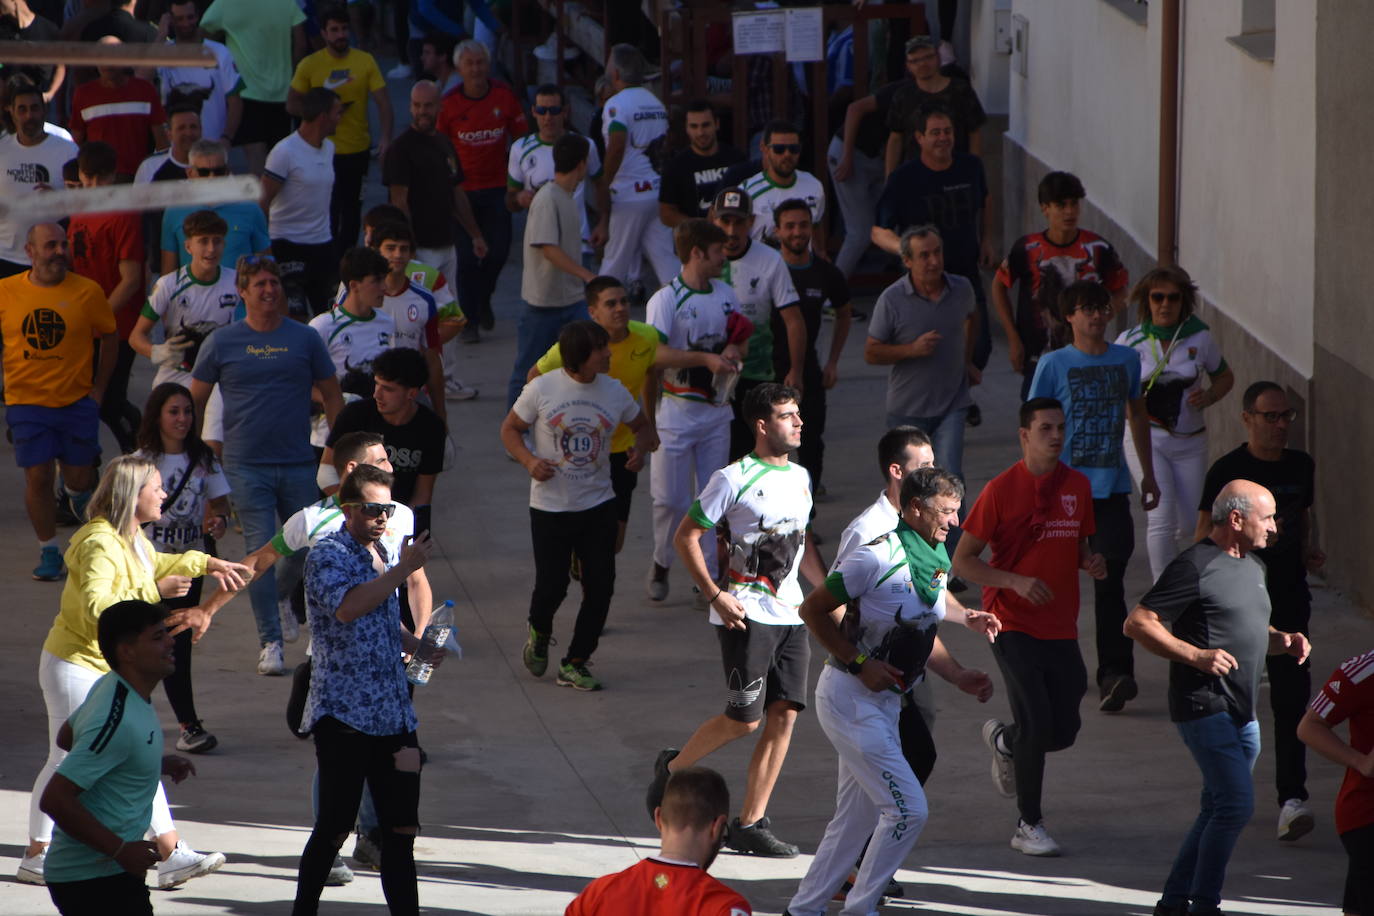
(780, 180)
(414, 308)
(531, 164)
(634, 125)
(357, 329)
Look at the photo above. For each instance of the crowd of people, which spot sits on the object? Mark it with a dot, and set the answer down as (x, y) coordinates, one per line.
(347, 326)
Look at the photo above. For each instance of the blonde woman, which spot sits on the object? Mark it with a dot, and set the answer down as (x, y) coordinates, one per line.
(1182, 373)
(110, 560)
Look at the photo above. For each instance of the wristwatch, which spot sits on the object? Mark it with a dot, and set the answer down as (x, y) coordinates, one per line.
(857, 664)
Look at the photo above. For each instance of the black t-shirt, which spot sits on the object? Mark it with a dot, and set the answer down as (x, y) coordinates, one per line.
(40, 29)
(958, 98)
(427, 166)
(1292, 481)
(121, 25)
(1213, 600)
(818, 284)
(951, 199)
(414, 448)
(690, 181)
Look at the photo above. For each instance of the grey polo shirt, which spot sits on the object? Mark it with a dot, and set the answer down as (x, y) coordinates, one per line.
(929, 386)
(554, 218)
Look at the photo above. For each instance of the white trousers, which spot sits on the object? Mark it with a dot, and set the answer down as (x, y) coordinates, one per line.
(65, 686)
(446, 260)
(677, 473)
(877, 796)
(857, 197)
(1180, 469)
(636, 233)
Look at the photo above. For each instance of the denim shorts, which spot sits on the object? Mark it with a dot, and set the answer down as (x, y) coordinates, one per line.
(68, 434)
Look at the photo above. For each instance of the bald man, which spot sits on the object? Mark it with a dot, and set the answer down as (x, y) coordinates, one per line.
(1209, 616)
(48, 318)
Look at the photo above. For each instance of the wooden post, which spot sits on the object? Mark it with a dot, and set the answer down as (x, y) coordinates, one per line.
(92, 54)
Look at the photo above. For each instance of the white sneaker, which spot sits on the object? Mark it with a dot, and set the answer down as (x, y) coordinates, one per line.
(270, 660)
(290, 626)
(1003, 773)
(455, 390)
(184, 864)
(1034, 840)
(1295, 820)
(31, 869)
(339, 874)
(401, 71)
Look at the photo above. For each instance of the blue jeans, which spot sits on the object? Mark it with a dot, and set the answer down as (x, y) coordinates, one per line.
(264, 496)
(1225, 753)
(537, 331)
(947, 439)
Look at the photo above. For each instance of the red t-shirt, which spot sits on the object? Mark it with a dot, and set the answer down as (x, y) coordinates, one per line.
(481, 130)
(1044, 545)
(1349, 694)
(658, 888)
(98, 242)
(123, 117)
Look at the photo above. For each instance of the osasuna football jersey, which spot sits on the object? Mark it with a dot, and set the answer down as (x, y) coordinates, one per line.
(692, 319)
(638, 112)
(317, 521)
(767, 195)
(353, 344)
(763, 510)
(188, 307)
(531, 167)
(887, 618)
(417, 318)
(761, 282)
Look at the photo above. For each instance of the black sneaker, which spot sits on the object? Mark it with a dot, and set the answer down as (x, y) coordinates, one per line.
(974, 415)
(1163, 909)
(1116, 690)
(654, 797)
(66, 514)
(195, 739)
(758, 840)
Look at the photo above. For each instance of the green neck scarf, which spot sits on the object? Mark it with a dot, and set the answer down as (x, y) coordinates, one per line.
(929, 565)
(1191, 325)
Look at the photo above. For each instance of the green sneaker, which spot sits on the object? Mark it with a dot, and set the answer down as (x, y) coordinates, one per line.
(536, 653)
(577, 677)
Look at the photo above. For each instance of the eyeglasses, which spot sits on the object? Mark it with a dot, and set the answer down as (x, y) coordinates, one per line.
(373, 510)
(1274, 416)
(253, 260)
(1094, 309)
(548, 109)
(780, 149)
(217, 170)
(1172, 298)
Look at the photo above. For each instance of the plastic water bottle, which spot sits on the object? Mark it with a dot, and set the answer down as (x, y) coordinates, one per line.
(436, 634)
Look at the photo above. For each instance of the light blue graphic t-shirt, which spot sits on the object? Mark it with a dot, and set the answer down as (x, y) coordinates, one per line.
(1094, 391)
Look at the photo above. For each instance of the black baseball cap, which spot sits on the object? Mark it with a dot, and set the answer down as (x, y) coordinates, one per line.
(732, 200)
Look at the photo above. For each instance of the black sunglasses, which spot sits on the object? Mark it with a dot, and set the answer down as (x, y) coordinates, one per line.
(781, 148)
(548, 109)
(373, 510)
(1274, 416)
(217, 170)
(1157, 296)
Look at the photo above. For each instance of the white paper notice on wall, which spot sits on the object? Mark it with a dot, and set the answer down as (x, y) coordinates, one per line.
(759, 33)
(805, 35)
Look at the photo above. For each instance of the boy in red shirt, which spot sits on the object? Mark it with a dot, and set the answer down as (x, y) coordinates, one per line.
(123, 111)
(1037, 515)
(692, 822)
(1349, 695)
(108, 248)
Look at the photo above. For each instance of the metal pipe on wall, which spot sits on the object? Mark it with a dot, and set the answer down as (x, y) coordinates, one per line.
(1167, 242)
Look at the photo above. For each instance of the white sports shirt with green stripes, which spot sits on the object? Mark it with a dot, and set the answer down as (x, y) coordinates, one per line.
(315, 522)
(764, 508)
(181, 301)
(767, 195)
(698, 320)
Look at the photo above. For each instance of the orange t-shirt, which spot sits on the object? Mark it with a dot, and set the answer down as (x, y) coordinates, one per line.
(1004, 518)
(48, 333)
(658, 888)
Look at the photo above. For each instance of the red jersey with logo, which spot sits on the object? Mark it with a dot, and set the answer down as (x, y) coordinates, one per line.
(655, 887)
(1034, 525)
(481, 130)
(98, 242)
(1349, 695)
(122, 117)
(1043, 269)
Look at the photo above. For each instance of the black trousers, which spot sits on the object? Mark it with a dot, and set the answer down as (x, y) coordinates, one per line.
(1115, 540)
(918, 746)
(346, 759)
(1046, 680)
(556, 536)
(346, 200)
(1359, 878)
(116, 412)
(1290, 688)
(477, 278)
(123, 893)
(310, 275)
(180, 694)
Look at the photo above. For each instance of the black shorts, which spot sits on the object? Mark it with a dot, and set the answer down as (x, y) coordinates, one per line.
(623, 482)
(263, 122)
(763, 663)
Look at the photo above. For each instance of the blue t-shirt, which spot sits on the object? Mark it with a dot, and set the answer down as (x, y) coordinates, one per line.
(247, 231)
(1094, 391)
(265, 379)
(116, 759)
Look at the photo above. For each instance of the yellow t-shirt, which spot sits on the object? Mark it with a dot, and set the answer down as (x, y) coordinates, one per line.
(49, 359)
(354, 77)
(631, 360)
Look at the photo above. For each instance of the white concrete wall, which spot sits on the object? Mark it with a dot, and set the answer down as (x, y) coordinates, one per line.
(1247, 172)
(989, 69)
(1089, 104)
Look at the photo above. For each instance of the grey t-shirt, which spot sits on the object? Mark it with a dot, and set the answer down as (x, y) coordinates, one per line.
(553, 219)
(1213, 600)
(929, 386)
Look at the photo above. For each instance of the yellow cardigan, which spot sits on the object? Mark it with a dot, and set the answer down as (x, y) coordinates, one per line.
(103, 570)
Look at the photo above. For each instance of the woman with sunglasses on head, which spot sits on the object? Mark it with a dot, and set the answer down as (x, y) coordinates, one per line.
(1182, 373)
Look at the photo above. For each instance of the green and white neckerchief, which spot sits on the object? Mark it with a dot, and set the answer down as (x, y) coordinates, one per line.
(929, 565)
(1153, 333)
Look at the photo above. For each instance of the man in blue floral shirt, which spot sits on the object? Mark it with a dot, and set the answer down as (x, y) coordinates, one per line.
(358, 708)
